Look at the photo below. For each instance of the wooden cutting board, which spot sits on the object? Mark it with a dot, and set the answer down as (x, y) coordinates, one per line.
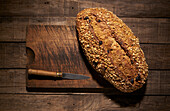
(56, 48)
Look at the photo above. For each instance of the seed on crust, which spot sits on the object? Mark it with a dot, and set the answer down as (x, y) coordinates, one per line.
(100, 42)
(86, 18)
(98, 20)
(132, 81)
(138, 77)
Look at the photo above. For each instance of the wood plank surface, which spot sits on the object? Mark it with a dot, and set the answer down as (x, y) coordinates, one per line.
(129, 8)
(149, 30)
(12, 55)
(83, 102)
(148, 19)
(70, 8)
(13, 81)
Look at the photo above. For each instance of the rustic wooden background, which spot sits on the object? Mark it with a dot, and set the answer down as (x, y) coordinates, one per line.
(149, 20)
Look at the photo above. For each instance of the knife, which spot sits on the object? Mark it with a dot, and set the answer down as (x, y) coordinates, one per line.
(56, 74)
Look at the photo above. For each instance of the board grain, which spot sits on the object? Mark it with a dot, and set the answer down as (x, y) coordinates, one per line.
(56, 48)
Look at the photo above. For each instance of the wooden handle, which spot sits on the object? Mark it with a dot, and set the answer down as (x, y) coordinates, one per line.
(44, 73)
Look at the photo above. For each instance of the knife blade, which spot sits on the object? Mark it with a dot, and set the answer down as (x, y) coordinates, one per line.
(57, 74)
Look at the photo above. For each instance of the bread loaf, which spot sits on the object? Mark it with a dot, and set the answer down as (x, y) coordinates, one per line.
(112, 49)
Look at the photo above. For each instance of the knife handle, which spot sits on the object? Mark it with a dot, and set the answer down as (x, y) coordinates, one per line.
(44, 73)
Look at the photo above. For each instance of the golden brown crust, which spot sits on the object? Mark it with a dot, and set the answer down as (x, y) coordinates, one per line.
(112, 49)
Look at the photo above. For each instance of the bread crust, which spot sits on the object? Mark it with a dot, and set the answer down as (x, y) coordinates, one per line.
(112, 49)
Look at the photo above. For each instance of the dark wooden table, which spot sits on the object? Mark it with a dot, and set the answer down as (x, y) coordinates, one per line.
(149, 20)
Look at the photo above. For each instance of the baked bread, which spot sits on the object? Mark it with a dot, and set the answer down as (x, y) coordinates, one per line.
(112, 49)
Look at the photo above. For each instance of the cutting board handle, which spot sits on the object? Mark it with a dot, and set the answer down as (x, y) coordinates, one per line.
(30, 55)
(44, 73)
